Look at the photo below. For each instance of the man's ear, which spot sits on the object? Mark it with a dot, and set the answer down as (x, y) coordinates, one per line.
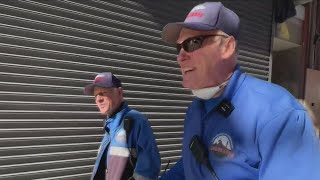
(120, 91)
(229, 47)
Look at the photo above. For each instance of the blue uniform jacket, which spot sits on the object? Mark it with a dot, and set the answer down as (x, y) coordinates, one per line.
(268, 136)
(140, 143)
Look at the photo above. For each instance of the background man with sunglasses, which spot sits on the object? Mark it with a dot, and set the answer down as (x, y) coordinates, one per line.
(237, 126)
(128, 149)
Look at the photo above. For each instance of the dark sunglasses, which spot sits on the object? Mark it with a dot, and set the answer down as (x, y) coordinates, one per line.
(194, 43)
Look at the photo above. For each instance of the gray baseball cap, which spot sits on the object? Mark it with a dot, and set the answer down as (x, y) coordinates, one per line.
(204, 17)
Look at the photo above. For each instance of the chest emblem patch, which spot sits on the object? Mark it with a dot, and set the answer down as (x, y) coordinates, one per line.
(222, 146)
(121, 136)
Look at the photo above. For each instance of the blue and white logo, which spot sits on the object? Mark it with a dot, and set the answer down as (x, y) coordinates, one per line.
(222, 145)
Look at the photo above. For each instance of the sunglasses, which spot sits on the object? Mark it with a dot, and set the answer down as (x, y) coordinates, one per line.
(194, 43)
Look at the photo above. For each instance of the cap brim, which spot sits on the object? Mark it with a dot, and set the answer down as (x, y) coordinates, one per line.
(171, 31)
(88, 90)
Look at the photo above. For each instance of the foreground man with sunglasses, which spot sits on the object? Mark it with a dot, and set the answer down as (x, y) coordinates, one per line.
(128, 149)
(237, 126)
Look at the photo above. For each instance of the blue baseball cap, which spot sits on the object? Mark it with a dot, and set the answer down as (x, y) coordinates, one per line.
(204, 17)
(105, 80)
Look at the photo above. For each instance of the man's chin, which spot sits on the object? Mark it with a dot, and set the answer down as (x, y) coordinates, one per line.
(194, 84)
(185, 84)
(188, 85)
(106, 113)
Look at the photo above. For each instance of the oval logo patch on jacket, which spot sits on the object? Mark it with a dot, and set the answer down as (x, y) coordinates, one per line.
(222, 146)
(121, 136)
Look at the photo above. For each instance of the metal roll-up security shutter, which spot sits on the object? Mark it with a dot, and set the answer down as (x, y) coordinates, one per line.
(255, 36)
(49, 50)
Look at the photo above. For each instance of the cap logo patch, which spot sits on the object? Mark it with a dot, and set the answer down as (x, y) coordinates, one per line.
(99, 78)
(195, 14)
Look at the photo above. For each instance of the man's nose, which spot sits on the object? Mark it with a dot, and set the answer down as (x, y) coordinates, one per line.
(182, 56)
(100, 99)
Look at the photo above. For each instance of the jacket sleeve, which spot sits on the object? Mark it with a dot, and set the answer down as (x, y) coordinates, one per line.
(175, 173)
(148, 157)
(289, 148)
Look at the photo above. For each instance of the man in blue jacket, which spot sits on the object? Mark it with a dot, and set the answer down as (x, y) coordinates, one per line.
(237, 127)
(128, 149)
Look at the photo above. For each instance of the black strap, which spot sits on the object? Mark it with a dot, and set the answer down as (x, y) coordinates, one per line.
(131, 164)
(200, 153)
(101, 171)
(127, 125)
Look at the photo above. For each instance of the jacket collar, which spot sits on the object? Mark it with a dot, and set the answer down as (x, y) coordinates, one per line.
(115, 120)
(230, 90)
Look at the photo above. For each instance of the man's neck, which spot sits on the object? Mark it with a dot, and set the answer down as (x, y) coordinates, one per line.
(117, 110)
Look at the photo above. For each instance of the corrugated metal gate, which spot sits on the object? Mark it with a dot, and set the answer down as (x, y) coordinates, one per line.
(50, 49)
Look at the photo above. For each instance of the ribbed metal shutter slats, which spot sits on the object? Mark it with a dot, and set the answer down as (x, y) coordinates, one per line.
(50, 50)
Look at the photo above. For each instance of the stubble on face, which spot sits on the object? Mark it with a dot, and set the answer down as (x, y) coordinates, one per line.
(199, 68)
(104, 102)
(107, 111)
